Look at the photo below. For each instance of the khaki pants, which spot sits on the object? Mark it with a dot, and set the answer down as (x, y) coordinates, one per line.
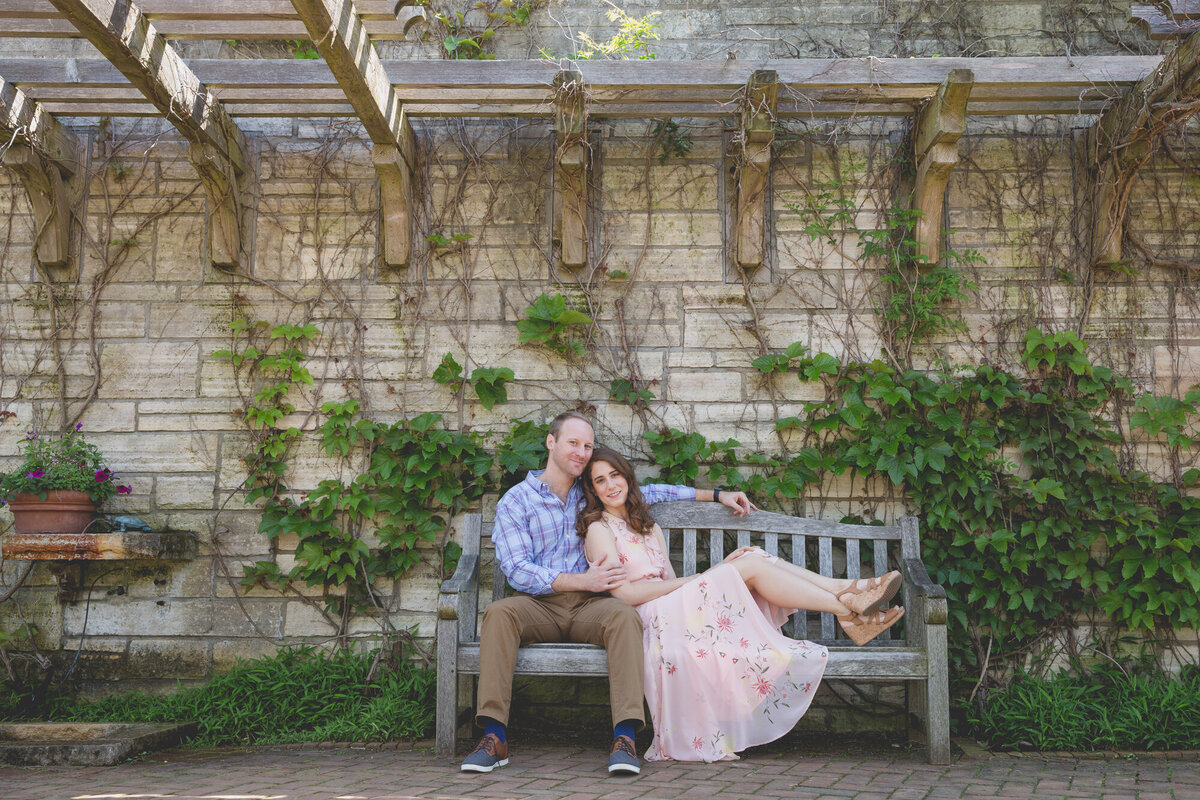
(563, 617)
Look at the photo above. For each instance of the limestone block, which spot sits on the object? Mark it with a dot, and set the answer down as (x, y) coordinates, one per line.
(719, 330)
(419, 586)
(684, 186)
(707, 386)
(659, 265)
(167, 658)
(665, 228)
(391, 340)
(304, 620)
(149, 369)
(179, 256)
(161, 452)
(156, 580)
(176, 617)
(491, 344)
(104, 416)
(13, 428)
(190, 492)
(217, 378)
(226, 653)
(690, 359)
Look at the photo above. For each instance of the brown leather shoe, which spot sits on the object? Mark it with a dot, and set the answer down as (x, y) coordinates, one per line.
(487, 755)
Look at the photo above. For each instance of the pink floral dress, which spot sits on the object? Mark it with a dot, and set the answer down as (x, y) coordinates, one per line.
(720, 675)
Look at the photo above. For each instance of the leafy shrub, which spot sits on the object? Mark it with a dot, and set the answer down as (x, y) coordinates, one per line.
(1106, 709)
(297, 695)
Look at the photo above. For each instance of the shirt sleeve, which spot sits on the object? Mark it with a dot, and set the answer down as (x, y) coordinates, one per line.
(665, 492)
(515, 552)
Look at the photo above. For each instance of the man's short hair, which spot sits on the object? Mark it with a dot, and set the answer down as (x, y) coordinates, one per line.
(557, 423)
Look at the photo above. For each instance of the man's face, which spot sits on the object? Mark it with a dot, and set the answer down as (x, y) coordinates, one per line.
(571, 449)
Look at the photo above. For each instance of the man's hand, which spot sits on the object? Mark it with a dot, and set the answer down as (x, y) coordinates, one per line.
(738, 503)
(602, 577)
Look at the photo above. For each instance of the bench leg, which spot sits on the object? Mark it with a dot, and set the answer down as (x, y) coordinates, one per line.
(447, 687)
(937, 696)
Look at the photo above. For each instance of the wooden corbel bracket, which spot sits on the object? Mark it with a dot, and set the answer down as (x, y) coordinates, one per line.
(754, 167)
(394, 166)
(43, 182)
(226, 205)
(939, 125)
(571, 170)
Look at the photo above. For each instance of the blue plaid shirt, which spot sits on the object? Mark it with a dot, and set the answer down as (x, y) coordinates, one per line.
(535, 534)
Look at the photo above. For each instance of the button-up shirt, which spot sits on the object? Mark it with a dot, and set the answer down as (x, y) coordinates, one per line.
(535, 534)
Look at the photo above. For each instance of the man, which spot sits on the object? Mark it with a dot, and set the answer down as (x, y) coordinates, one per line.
(562, 596)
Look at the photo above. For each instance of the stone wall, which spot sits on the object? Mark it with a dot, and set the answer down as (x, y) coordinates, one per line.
(124, 340)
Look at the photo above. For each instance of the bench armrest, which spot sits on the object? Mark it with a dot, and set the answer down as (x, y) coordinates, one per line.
(924, 588)
(455, 592)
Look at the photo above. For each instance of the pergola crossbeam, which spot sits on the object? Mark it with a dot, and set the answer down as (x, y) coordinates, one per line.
(38, 150)
(939, 125)
(123, 34)
(1128, 135)
(341, 37)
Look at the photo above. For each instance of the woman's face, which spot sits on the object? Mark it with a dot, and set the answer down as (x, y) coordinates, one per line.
(610, 485)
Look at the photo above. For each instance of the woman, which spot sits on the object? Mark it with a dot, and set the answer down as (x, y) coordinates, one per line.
(720, 676)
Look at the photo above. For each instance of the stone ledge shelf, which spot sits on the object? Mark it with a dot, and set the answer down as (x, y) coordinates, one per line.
(68, 552)
(114, 546)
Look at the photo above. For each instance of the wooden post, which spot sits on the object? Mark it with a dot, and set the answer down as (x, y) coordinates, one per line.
(48, 198)
(340, 35)
(758, 135)
(1127, 135)
(126, 37)
(939, 125)
(571, 169)
(41, 151)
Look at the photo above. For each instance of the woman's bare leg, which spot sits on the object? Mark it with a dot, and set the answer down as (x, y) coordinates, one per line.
(779, 585)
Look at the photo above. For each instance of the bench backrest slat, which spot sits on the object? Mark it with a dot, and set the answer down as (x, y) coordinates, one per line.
(689, 551)
(716, 546)
(880, 566)
(799, 623)
(825, 567)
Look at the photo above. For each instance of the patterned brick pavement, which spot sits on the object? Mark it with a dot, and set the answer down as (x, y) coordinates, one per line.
(549, 772)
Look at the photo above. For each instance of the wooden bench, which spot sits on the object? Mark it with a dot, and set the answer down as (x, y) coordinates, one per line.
(691, 528)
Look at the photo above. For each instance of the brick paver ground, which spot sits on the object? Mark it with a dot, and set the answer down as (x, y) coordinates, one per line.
(550, 772)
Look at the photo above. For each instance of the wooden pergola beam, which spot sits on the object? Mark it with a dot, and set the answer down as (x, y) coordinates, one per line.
(1128, 135)
(340, 36)
(939, 125)
(123, 35)
(571, 157)
(38, 149)
(759, 105)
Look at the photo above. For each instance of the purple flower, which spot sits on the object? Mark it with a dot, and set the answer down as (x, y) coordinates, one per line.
(37, 473)
(102, 475)
(30, 435)
(78, 426)
(124, 489)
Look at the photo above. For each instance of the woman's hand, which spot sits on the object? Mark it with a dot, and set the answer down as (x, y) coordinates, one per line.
(738, 552)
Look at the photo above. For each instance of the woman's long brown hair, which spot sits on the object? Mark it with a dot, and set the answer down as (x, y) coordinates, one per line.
(640, 520)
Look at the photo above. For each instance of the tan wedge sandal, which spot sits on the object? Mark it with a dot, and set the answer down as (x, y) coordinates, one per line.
(866, 601)
(862, 629)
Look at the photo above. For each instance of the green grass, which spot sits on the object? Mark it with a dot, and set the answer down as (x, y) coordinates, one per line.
(297, 695)
(1104, 709)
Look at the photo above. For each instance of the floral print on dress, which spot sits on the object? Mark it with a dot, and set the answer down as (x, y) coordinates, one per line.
(720, 675)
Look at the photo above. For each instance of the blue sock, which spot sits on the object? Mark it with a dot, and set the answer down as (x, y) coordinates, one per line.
(492, 726)
(625, 728)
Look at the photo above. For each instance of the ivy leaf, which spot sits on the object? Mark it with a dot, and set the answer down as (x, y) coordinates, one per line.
(449, 372)
(488, 383)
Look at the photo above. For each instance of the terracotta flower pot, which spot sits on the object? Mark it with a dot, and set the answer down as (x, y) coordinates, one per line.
(62, 511)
